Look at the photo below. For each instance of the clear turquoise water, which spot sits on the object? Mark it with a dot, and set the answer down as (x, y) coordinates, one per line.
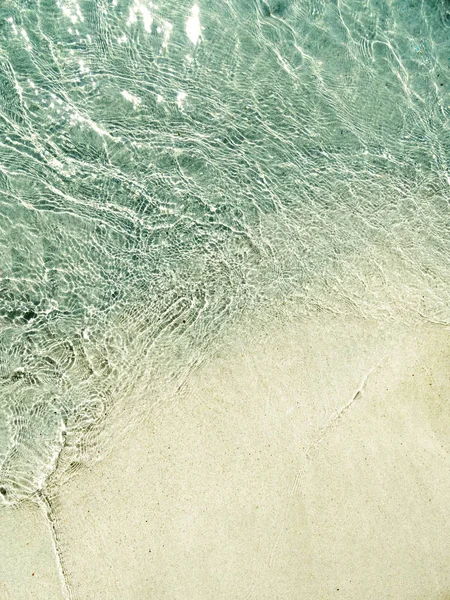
(169, 169)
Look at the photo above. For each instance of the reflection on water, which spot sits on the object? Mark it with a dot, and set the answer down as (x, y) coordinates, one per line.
(166, 170)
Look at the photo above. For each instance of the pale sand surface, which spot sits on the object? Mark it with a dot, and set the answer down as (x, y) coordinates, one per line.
(308, 462)
(27, 558)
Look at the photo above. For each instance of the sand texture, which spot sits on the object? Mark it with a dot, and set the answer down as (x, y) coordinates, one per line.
(308, 462)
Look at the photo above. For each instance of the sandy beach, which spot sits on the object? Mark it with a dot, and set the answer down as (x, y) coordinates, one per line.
(307, 462)
(224, 300)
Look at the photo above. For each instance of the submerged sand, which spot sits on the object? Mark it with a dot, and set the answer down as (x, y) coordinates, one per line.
(306, 461)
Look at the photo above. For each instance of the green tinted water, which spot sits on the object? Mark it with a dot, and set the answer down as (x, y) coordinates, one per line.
(167, 168)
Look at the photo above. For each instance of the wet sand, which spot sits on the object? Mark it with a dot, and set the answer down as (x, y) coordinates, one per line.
(310, 461)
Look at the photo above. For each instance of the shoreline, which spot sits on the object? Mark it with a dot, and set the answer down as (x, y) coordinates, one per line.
(311, 456)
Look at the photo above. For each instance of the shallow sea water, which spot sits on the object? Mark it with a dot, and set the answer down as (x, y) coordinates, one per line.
(169, 170)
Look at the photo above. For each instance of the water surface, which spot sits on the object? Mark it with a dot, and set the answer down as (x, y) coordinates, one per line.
(168, 169)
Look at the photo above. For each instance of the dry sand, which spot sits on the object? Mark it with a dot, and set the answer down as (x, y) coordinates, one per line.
(310, 462)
